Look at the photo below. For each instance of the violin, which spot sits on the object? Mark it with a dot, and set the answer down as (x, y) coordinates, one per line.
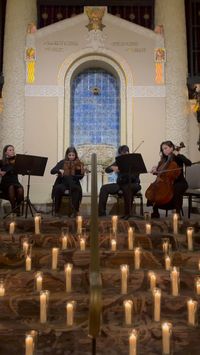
(160, 192)
(73, 167)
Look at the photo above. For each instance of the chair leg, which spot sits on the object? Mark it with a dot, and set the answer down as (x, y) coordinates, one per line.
(141, 206)
(189, 205)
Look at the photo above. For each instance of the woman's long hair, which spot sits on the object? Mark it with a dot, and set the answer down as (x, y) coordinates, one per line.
(71, 150)
(4, 158)
(169, 144)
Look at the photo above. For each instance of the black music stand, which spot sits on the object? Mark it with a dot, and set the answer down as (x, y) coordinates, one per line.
(131, 164)
(29, 165)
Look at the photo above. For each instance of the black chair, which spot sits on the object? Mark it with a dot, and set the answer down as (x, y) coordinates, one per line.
(138, 195)
(67, 196)
(193, 192)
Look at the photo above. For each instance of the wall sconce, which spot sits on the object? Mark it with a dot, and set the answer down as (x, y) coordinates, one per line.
(194, 96)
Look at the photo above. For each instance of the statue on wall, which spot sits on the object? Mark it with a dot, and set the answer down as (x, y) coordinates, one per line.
(95, 15)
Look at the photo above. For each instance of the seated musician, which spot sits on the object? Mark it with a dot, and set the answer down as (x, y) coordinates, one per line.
(129, 188)
(10, 186)
(172, 177)
(70, 170)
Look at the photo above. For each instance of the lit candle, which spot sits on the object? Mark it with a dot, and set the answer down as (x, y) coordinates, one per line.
(167, 262)
(190, 231)
(137, 254)
(70, 313)
(29, 344)
(157, 302)
(64, 242)
(55, 258)
(113, 244)
(38, 281)
(128, 307)
(166, 335)
(133, 342)
(148, 228)
(37, 220)
(199, 264)
(192, 309)
(175, 223)
(82, 244)
(79, 224)
(165, 245)
(12, 228)
(197, 285)
(28, 263)
(152, 279)
(25, 246)
(175, 281)
(68, 277)
(2, 288)
(130, 238)
(114, 223)
(44, 297)
(124, 278)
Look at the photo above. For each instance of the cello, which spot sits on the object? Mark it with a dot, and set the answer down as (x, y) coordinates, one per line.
(160, 192)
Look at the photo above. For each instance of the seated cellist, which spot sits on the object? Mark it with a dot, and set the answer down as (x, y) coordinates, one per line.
(170, 181)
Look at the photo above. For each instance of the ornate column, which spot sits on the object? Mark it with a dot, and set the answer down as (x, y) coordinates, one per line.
(18, 15)
(171, 14)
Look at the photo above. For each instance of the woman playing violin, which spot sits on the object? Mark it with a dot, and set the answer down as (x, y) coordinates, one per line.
(70, 171)
(10, 186)
(170, 174)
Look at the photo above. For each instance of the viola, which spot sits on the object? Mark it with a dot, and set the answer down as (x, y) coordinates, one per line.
(160, 192)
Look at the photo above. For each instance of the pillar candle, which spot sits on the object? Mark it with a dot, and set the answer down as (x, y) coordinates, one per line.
(197, 285)
(175, 281)
(167, 262)
(38, 281)
(2, 289)
(152, 279)
(124, 278)
(68, 277)
(29, 344)
(64, 242)
(114, 223)
(128, 307)
(55, 258)
(175, 223)
(199, 264)
(37, 223)
(133, 342)
(70, 313)
(25, 247)
(192, 309)
(166, 338)
(148, 228)
(44, 295)
(190, 231)
(130, 238)
(165, 245)
(113, 244)
(82, 244)
(28, 263)
(137, 254)
(12, 228)
(79, 224)
(157, 303)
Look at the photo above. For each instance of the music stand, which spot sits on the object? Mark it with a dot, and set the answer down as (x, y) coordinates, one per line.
(29, 165)
(131, 164)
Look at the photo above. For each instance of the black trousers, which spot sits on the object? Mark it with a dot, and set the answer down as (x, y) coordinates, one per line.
(75, 191)
(129, 190)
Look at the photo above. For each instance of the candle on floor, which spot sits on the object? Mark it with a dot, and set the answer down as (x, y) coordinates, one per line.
(197, 285)
(55, 252)
(166, 338)
(82, 244)
(70, 313)
(199, 264)
(165, 245)
(79, 222)
(167, 262)
(28, 263)
(147, 216)
(175, 223)
(2, 288)
(113, 244)
(44, 298)
(192, 312)
(175, 279)
(25, 246)
(12, 228)
(68, 277)
(37, 220)
(114, 223)
(157, 302)
(133, 342)
(128, 308)
(124, 278)
(152, 279)
(148, 228)
(130, 238)
(190, 232)
(38, 281)
(137, 258)
(29, 344)
(64, 242)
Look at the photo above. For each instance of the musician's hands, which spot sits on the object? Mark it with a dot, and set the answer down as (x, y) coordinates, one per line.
(2, 173)
(154, 170)
(61, 171)
(115, 168)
